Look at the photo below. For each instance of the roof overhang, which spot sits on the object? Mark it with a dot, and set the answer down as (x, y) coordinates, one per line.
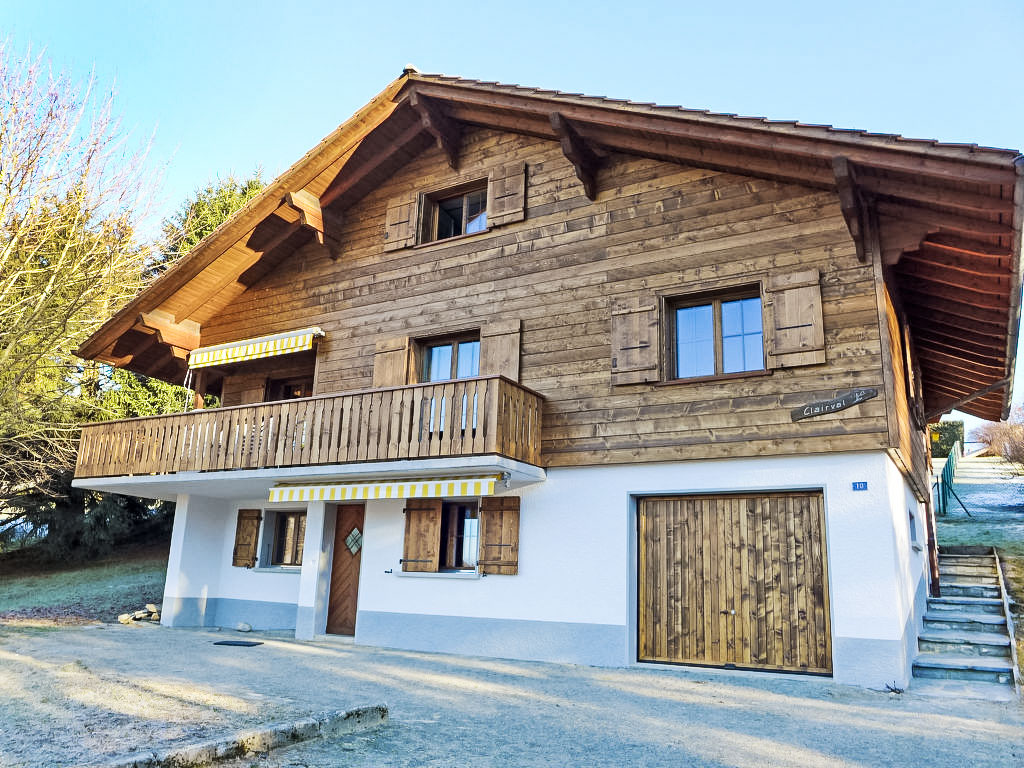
(944, 219)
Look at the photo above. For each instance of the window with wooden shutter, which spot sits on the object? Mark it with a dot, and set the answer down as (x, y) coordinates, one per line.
(499, 535)
(391, 362)
(422, 535)
(506, 194)
(400, 224)
(247, 534)
(796, 333)
(635, 340)
(499, 349)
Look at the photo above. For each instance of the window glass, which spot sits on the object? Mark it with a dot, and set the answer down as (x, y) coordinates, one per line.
(468, 363)
(449, 217)
(460, 535)
(439, 362)
(288, 538)
(695, 341)
(476, 211)
(742, 335)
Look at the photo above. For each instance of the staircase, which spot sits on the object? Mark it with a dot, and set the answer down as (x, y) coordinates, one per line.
(966, 646)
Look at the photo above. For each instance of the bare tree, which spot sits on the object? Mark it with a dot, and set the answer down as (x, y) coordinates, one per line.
(71, 193)
(1005, 438)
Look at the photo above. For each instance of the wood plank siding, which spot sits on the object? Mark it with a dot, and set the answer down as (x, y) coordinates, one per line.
(734, 580)
(655, 228)
(470, 417)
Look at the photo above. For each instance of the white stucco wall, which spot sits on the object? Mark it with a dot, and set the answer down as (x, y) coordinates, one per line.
(574, 597)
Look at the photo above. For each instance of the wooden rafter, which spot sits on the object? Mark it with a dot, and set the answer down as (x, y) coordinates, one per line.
(941, 220)
(1002, 383)
(447, 132)
(584, 158)
(989, 283)
(354, 175)
(932, 195)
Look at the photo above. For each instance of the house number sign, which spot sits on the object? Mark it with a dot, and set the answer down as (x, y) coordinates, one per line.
(841, 403)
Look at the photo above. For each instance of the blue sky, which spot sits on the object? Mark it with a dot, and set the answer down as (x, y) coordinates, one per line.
(228, 86)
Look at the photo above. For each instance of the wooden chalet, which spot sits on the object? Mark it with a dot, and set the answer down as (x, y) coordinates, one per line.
(544, 375)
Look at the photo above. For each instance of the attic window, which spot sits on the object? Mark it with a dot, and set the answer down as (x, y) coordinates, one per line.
(448, 215)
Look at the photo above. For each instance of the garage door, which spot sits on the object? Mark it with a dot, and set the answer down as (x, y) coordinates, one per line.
(734, 580)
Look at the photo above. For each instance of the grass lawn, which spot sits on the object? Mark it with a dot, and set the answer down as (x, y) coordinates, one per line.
(126, 580)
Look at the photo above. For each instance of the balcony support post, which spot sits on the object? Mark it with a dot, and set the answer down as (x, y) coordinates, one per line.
(314, 580)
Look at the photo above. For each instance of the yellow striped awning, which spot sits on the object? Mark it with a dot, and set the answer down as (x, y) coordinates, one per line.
(253, 349)
(441, 487)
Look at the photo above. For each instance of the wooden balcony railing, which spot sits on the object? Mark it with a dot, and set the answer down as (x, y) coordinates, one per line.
(489, 415)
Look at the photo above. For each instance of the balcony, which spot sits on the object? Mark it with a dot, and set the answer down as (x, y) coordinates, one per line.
(468, 417)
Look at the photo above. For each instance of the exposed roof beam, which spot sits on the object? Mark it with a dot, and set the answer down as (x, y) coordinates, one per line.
(1001, 384)
(990, 283)
(954, 260)
(929, 322)
(960, 341)
(349, 177)
(960, 349)
(446, 131)
(579, 152)
(761, 139)
(939, 220)
(950, 302)
(933, 195)
(956, 361)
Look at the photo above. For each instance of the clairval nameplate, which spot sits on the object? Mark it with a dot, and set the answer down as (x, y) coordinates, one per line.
(841, 403)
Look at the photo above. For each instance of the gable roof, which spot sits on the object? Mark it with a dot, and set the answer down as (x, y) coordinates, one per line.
(945, 218)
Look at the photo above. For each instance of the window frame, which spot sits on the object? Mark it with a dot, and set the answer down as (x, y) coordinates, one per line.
(422, 356)
(674, 302)
(268, 545)
(430, 203)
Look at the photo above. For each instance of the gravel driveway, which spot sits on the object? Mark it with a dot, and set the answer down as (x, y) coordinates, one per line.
(85, 695)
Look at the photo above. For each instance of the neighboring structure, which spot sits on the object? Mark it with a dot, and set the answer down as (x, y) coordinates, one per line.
(520, 373)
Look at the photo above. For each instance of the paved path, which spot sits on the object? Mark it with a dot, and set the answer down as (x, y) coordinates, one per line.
(115, 689)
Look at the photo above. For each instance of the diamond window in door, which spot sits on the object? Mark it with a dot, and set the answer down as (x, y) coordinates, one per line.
(354, 541)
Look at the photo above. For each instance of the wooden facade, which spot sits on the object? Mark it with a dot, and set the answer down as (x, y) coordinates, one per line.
(599, 214)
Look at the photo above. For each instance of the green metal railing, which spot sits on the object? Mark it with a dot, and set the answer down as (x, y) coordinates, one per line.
(945, 481)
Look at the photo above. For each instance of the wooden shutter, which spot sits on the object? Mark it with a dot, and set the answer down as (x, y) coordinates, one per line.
(391, 362)
(499, 349)
(247, 534)
(796, 333)
(499, 535)
(422, 535)
(400, 224)
(635, 340)
(506, 194)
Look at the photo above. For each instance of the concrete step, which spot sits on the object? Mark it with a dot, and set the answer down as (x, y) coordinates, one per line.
(965, 622)
(954, 666)
(962, 589)
(980, 569)
(986, 560)
(965, 604)
(952, 642)
(968, 578)
(962, 689)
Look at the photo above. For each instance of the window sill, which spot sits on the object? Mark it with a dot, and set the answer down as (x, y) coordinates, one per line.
(440, 575)
(705, 379)
(296, 569)
(453, 239)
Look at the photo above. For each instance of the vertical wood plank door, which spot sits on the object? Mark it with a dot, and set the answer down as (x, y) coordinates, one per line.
(344, 594)
(736, 580)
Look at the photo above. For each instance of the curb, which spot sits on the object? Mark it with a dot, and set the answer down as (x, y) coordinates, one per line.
(323, 725)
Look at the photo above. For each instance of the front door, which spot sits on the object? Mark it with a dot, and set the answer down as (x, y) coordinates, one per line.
(348, 546)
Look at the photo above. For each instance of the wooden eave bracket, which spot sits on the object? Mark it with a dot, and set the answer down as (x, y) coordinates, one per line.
(447, 132)
(583, 156)
(852, 204)
(311, 216)
(182, 335)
